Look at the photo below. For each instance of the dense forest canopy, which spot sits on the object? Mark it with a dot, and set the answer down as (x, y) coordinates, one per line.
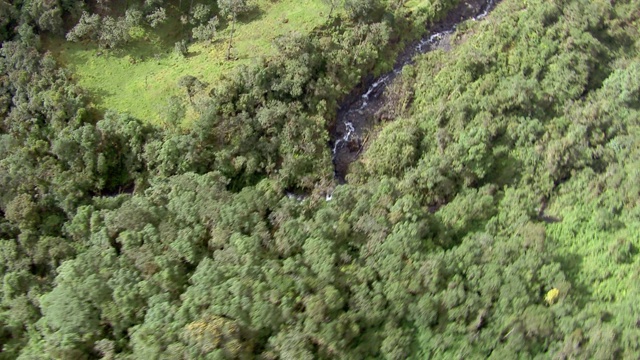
(494, 210)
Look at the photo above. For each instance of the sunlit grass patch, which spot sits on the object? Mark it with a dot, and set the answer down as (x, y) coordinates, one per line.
(140, 78)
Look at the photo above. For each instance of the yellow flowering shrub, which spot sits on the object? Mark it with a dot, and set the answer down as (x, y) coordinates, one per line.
(552, 296)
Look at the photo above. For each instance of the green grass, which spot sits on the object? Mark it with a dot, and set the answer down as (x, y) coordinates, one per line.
(419, 4)
(141, 77)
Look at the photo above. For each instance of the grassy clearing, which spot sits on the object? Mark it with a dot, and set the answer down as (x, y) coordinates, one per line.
(140, 78)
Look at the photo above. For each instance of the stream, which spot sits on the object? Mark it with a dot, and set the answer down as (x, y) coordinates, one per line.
(357, 115)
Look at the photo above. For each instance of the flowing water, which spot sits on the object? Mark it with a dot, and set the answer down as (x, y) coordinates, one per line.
(357, 115)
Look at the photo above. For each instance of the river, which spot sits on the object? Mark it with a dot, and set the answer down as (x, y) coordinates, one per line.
(357, 115)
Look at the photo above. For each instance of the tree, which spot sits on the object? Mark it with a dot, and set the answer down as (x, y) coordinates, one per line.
(332, 5)
(231, 9)
(200, 13)
(108, 31)
(7, 14)
(180, 48)
(364, 10)
(192, 85)
(114, 32)
(206, 32)
(87, 26)
(157, 17)
(174, 112)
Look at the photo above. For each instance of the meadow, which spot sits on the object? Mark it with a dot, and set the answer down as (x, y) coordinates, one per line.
(140, 78)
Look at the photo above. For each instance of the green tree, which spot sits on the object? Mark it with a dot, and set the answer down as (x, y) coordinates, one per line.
(231, 9)
(364, 10)
(174, 112)
(157, 17)
(200, 13)
(332, 5)
(206, 31)
(192, 85)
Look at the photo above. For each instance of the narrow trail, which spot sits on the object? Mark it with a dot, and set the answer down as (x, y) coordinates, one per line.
(357, 114)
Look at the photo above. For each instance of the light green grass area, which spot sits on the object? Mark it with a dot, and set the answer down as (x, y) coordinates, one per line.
(419, 4)
(140, 78)
(413, 4)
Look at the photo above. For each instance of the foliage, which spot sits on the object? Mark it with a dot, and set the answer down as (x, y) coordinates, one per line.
(142, 86)
(207, 31)
(364, 10)
(496, 214)
(107, 31)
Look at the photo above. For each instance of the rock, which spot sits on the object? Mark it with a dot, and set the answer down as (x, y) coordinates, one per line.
(354, 144)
